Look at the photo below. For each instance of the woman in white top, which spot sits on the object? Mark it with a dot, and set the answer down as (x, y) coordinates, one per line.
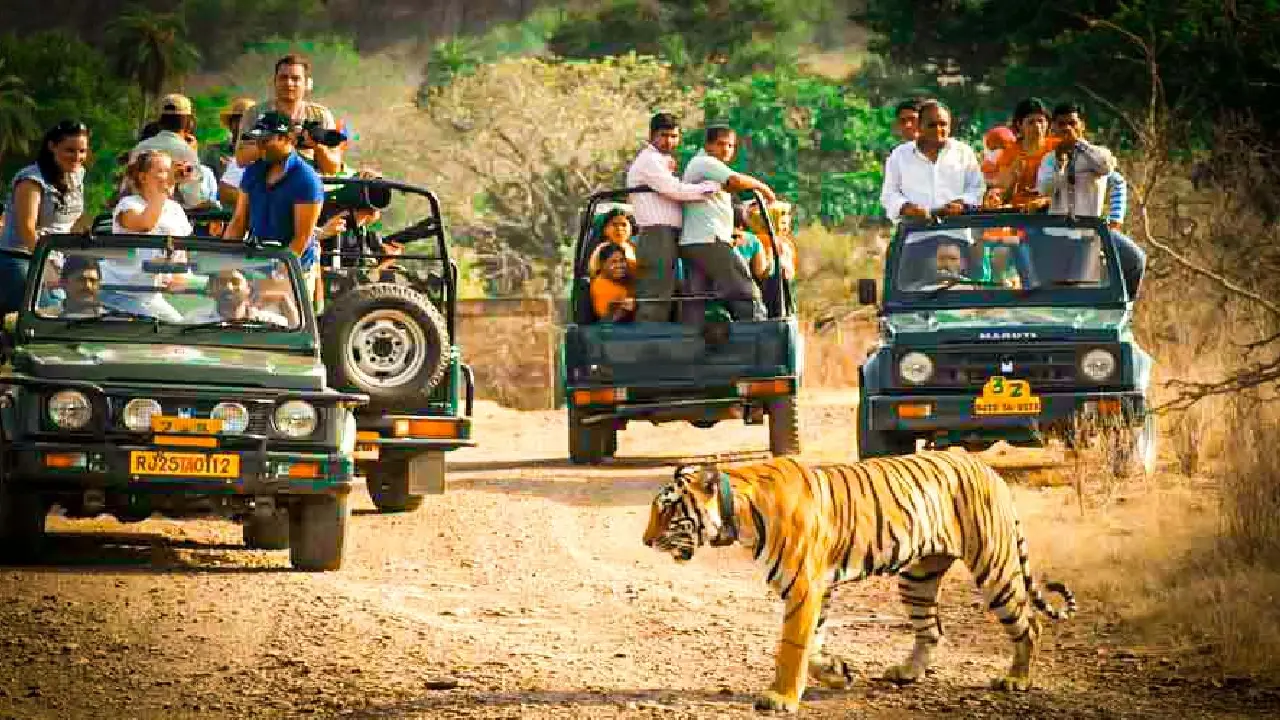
(148, 210)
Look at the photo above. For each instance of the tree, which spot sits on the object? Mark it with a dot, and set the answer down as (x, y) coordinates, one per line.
(18, 125)
(150, 49)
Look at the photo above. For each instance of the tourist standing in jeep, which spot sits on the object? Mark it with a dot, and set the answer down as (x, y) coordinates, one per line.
(293, 83)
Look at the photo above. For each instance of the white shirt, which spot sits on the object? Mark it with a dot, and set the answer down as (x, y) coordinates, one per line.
(231, 176)
(210, 315)
(911, 177)
(173, 219)
(1091, 164)
(709, 220)
(661, 207)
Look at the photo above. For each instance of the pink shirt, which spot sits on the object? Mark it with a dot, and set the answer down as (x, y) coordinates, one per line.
(662, 207)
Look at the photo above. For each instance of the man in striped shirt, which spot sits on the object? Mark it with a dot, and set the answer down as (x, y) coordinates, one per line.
(1076, 174)
(659, 216)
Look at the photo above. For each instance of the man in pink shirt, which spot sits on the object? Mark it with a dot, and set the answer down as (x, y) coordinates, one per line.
(659, 217)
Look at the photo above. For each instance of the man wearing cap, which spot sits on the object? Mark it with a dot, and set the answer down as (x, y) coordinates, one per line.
(281, 195)
(293, 83)
(197, 187)
(217, 155)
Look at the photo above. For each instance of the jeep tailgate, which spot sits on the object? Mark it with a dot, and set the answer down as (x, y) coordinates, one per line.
(664, 354)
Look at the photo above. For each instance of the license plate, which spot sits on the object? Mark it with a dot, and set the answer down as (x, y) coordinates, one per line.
(180, 464)
(170, 424)
(1001, 396)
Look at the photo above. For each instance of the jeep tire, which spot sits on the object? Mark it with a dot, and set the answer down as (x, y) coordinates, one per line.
(784, 426)
(589, 444)
(267, 533)
(387, 341)
(878, 443)
(388, 484)
(22, 523)
(318, 532)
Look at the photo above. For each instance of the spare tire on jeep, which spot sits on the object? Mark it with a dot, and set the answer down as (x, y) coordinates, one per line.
(387, 341)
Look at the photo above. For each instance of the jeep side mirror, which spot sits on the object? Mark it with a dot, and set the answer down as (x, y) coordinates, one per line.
(866, 291)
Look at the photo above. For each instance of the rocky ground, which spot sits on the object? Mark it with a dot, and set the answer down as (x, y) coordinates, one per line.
(523, 592)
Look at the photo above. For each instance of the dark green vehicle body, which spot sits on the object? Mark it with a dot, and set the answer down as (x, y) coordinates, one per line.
(1040, 334)
(89, 470)
(615, 373)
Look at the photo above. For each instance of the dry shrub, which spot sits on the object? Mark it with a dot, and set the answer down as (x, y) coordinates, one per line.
(838, 333)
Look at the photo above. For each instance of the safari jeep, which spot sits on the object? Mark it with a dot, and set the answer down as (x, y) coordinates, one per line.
(1005, 326)
(183, 378)
(388, 330)
(615, 373)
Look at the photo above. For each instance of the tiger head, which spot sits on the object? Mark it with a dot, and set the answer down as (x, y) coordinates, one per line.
(681, 518)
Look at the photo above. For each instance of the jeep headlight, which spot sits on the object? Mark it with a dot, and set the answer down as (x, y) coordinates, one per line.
(915, 368)
(70, 409)
(138, 412)
(1098, 364)
(234, 417)
(295, 419)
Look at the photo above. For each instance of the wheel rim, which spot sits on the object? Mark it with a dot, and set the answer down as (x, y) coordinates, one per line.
(386, 349)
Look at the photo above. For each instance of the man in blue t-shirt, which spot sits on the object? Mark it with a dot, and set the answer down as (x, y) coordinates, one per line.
(281, 195)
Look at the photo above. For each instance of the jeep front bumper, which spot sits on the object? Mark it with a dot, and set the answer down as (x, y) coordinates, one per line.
(930, 412)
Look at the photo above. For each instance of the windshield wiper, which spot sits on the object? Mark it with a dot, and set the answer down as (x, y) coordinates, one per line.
(952, 281)
(1061, 283)
(236, 323)
(112, 313)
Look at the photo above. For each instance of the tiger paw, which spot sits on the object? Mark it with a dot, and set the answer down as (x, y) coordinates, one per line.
(776, 701)
(904, 674)
(832, 672)
(1012, 683)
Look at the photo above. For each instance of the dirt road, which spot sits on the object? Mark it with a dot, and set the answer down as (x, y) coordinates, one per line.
(523, 592)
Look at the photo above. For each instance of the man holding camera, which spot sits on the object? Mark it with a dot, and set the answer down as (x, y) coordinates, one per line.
(281, 195)
(317, 128)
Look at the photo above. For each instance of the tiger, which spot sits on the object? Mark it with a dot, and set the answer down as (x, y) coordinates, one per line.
(812, 526)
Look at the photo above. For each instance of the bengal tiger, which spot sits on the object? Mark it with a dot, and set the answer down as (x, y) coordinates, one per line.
(813, 526)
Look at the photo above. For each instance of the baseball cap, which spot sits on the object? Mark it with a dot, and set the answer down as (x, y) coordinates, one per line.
(272, 123)
(175, 104)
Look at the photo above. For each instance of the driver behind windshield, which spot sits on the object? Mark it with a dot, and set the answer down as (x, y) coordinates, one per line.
(232, 296)
(82, 283)
(948, 267)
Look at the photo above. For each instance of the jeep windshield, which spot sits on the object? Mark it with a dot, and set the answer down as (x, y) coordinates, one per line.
(1028, 261)
(114, 284)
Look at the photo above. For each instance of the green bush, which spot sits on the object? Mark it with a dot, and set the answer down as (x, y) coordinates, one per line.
(68, 79)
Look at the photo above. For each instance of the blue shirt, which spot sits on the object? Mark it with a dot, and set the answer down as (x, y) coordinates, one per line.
(271, 206)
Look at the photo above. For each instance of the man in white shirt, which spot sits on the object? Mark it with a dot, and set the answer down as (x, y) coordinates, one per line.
(934, 175)
(706, 238)
(659, 217)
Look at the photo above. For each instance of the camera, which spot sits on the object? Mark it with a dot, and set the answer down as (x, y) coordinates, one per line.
(322, 135)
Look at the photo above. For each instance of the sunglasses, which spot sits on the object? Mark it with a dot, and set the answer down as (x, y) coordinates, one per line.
(71, 127)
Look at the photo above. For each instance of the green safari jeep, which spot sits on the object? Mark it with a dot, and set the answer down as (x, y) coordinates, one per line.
(149, 375)
(1005, 326)
(615, 373)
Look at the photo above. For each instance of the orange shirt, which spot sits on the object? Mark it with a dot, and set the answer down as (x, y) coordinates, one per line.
(604, 293)
(1023, 166)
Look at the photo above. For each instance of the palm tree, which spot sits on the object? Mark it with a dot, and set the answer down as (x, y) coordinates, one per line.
(18, 124)
(150, 49)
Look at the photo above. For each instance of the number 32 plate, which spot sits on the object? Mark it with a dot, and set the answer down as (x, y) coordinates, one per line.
(1006, 397)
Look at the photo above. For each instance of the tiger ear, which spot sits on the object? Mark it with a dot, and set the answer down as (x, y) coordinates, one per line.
(709, 476)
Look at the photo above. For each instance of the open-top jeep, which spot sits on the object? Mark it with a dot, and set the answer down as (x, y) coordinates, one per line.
(173, 376)
(387, 329)
(1005, 326)
(701, 373)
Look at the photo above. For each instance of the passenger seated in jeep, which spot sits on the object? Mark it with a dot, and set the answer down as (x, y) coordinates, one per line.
(232, 295)
(617, 228)
(612, 289)
(82, 283)
(948, 266)
(749, 246)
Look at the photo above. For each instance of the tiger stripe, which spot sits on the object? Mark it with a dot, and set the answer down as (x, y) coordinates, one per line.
(813, 526)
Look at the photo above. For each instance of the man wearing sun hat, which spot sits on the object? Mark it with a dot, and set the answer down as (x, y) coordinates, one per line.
(216, 155)
(175, 122)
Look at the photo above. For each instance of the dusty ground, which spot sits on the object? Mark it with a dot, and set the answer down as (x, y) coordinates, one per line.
(523, 592)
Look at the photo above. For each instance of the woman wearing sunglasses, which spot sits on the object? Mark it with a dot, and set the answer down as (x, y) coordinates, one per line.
(46, 198)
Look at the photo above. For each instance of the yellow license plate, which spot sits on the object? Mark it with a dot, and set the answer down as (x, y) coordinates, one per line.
(1001, 396)
(170, 424)
(183, 464)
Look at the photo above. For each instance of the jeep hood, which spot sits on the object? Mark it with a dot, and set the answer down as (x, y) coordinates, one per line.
(1011, 323)
(183, 364)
